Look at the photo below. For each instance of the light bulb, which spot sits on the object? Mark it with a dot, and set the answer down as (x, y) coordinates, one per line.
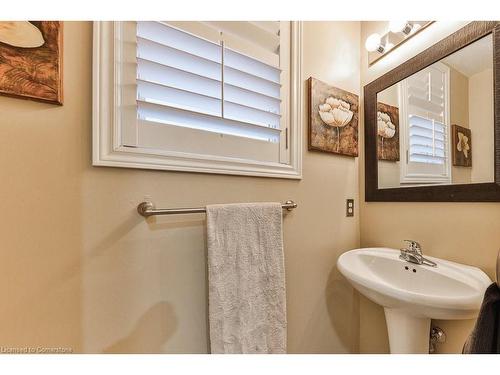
(415, 28)
(396, 26)
(400, 27)
(373, 43)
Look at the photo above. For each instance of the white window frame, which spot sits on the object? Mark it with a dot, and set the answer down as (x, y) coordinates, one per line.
(107, 148)
(422, 178)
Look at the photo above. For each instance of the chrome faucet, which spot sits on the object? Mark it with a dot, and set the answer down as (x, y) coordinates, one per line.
(413, 254)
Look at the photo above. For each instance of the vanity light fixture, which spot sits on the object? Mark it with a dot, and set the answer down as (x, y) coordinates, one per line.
(399, 31)
(404, 27)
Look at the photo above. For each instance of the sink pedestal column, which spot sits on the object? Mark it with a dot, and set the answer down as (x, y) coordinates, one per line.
(407, 334)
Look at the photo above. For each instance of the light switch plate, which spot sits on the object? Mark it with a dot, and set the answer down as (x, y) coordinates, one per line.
(349, 207)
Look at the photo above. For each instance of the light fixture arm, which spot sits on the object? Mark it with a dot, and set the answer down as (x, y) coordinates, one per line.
(399, 31)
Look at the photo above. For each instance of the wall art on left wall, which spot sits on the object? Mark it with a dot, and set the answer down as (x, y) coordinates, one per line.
(31, 60)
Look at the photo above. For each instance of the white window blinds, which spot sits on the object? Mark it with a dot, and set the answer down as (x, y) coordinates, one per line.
(218, 77)
(195, 96)
(425, 95)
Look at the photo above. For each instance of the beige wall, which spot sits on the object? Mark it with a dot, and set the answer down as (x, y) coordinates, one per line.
(82, 269)
(481, 114)
(459, 115)
(462, 232)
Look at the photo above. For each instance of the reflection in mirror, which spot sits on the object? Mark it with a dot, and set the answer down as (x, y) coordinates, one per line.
(437, 125)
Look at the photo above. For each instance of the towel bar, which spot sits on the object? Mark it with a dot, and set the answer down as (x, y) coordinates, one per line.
(147, 209)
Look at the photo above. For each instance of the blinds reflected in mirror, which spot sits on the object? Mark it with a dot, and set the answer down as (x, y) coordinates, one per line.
(427, 141)
(426, 117)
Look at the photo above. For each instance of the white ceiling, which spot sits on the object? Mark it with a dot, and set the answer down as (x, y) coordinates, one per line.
(474, 58)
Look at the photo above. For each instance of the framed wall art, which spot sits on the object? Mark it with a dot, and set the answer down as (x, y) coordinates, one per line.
(31, 60)
(333, 119)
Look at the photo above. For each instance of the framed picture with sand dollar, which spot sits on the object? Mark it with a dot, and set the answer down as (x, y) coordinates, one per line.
(333, 119)
(31, 60)
(462, 146)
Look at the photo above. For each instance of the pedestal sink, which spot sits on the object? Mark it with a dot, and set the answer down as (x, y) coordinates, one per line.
(413, 294)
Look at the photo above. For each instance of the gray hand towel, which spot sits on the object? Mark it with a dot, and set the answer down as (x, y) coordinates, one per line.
(485, 337)
(247, 305)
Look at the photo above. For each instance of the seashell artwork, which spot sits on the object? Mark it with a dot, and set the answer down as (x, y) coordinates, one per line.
(461, 146)
(31, 60)
(387, 132)
(20, 34)
(333, 119)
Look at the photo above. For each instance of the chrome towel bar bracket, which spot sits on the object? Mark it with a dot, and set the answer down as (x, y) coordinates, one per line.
(147, 209)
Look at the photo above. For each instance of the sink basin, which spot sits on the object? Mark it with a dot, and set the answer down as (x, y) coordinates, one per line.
(413, 294)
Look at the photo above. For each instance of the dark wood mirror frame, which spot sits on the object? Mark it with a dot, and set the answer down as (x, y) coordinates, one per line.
(480, 192)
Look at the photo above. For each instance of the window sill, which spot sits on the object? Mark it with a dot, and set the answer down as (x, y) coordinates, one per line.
(126, 157)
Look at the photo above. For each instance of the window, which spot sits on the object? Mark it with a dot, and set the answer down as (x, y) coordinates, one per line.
(215, 97)
(425, 120)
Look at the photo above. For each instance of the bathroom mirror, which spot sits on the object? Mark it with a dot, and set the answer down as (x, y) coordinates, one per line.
(432, 124)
